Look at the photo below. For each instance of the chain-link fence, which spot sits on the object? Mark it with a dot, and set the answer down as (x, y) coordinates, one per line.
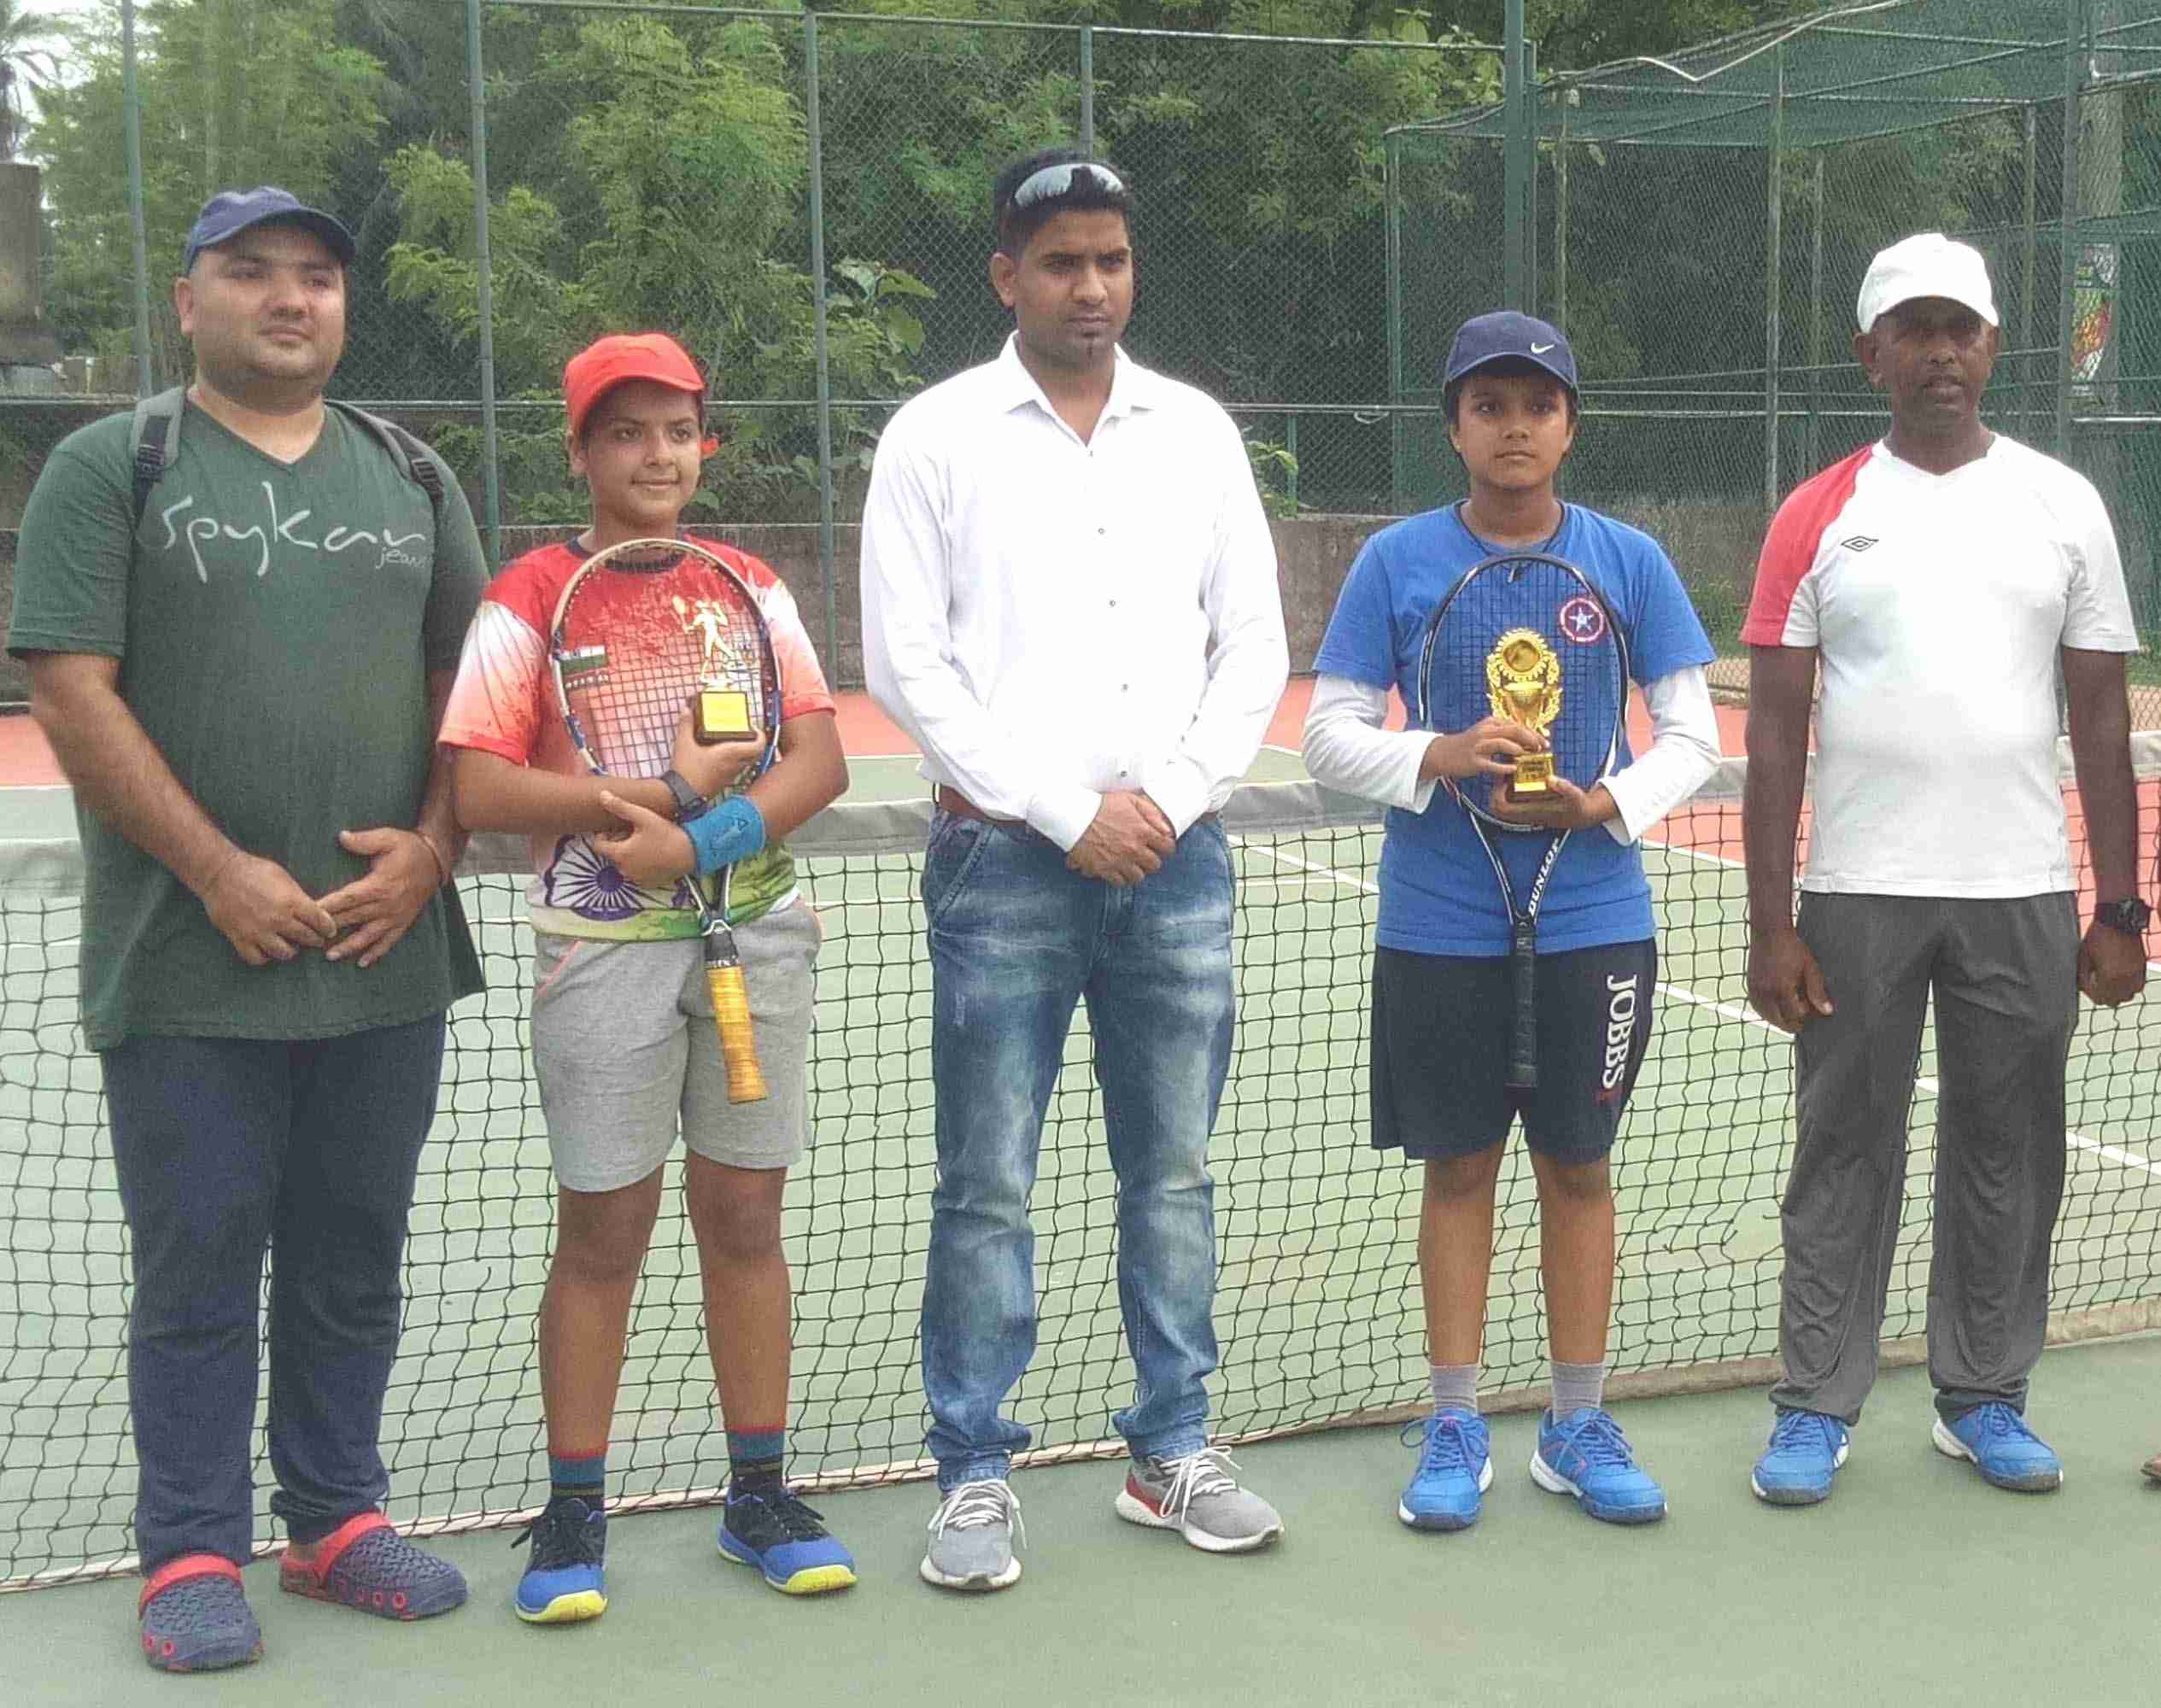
(1310, 234)
(802, 197)
(1700, 225)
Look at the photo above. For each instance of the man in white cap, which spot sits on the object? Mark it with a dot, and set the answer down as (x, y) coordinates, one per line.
(1940, 577)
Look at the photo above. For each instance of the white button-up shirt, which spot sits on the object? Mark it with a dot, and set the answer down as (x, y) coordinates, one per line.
(1053, 619)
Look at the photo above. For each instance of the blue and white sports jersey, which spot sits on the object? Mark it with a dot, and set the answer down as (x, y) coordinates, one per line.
(1438, 896)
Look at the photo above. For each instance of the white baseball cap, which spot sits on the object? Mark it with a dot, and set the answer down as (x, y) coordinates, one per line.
(1928, 264)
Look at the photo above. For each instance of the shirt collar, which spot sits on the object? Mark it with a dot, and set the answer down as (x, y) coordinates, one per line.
(1132, 386)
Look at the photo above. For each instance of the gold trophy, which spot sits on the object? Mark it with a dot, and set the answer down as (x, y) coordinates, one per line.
(1523, 684)
(722, 713)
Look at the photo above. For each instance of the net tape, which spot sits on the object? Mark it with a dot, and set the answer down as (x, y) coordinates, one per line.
(1318, 1304)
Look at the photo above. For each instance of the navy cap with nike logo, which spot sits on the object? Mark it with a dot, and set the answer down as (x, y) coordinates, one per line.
(1507, 335)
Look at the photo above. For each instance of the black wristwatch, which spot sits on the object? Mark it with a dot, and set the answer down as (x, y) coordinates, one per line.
(689, 803)
(2128, 915)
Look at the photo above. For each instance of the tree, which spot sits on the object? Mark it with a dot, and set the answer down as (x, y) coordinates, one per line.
(25, 68)
(655, 172)
(231, 94)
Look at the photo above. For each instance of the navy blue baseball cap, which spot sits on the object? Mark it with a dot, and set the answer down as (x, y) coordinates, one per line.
(1506, 334)
(230, 212)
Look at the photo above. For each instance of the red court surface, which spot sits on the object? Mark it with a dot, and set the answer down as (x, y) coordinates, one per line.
(865, 733)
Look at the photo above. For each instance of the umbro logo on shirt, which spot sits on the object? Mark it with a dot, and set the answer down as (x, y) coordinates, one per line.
(1859, 542)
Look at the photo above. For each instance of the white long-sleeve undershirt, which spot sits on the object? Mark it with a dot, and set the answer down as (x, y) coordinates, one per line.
(1347, 747)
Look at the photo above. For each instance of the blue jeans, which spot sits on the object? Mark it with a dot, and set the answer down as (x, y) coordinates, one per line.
(225, 1148)
(1016, 938)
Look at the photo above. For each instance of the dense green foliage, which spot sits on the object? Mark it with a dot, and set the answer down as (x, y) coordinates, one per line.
(653, 170)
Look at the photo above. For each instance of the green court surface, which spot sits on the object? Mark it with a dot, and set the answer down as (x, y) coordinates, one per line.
(1916, 1583)
(1317, 1306)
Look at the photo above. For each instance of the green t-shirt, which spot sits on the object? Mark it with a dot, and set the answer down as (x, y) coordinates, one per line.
(275, 625)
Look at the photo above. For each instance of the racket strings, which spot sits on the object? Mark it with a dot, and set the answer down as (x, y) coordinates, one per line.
(1555, 638)
(650, 639)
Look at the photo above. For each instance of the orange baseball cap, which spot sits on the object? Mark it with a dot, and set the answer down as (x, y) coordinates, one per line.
(607, 362)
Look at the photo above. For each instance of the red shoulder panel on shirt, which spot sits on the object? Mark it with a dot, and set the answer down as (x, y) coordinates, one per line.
(756, 572)
(1789, 546)
(529, 587)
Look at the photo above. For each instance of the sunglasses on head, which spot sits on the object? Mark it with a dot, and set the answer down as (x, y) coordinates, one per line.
(1054, 181)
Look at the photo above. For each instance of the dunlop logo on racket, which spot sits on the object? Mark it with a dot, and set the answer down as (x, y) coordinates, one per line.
(1523, 682)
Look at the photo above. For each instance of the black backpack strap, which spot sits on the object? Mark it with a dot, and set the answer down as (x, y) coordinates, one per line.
(153, 442)
(412, 457)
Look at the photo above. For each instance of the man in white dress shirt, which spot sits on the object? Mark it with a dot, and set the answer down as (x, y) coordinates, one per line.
(1069, 601)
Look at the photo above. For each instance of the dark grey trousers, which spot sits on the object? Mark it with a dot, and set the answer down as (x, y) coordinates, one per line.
(2004, 973)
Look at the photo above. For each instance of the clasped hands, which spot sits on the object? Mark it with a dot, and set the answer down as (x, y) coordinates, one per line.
(1489, 748)
(266, 916)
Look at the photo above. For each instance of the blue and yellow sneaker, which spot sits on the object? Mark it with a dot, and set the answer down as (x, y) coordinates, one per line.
(2002, 1448)
(1803, 1455)
(563, 1582)
(1585, 1456)
(1454, 1468)
(772, 1528)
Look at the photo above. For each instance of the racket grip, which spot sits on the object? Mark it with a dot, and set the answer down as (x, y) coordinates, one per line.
(738, 1043)
(1523, 1030)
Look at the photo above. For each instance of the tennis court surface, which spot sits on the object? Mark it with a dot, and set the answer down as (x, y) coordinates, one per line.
(1915, 1575)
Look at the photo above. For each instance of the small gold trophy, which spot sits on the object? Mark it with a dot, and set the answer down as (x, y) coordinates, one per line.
(722, 713)
(1522, 683)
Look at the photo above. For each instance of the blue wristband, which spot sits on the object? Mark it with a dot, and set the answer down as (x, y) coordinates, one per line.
(733, 830)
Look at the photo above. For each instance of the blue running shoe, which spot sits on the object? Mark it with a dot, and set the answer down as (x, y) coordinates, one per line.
(1585, 1455)
(2002, 1448)
(563, 1582)
(1804, 1453)
(772, 1529)
(1454, 1468)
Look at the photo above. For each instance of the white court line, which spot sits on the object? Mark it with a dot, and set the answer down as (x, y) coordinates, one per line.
(1695, 854)
(1328, 872)
(1922, 1082)
(1739, 865)
(2122, 1158)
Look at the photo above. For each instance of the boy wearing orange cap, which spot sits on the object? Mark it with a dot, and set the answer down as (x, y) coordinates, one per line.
(623, 1046)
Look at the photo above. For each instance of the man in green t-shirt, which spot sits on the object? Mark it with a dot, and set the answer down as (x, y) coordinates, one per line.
(240, 658)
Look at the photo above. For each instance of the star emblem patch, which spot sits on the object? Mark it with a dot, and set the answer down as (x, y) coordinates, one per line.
(1582, 621)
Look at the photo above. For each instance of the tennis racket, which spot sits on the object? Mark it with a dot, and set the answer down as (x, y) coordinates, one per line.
(1529, 626)
(642, 629)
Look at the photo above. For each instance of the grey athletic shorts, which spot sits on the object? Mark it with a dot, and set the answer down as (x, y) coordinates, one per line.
(624, 1051)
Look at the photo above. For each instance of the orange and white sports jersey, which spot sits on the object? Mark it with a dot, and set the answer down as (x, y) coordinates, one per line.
(1938, 605)
(503, 702)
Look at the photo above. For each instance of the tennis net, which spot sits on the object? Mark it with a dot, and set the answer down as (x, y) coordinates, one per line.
(1318, 1308)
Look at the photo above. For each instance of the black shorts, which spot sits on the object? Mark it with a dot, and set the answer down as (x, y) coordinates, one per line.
(1440, 1054)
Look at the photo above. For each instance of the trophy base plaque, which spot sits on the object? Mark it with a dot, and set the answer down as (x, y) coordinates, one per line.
(1533, 780)
(723, 715)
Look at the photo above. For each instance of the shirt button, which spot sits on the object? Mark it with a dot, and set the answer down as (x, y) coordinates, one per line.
(1103, 531)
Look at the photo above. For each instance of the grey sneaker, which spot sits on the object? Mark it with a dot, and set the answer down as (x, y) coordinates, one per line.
(1195, 1495)
(972, 1534)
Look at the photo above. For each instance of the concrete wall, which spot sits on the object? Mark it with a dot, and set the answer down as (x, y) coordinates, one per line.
(26, 346)
(1314, 553)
